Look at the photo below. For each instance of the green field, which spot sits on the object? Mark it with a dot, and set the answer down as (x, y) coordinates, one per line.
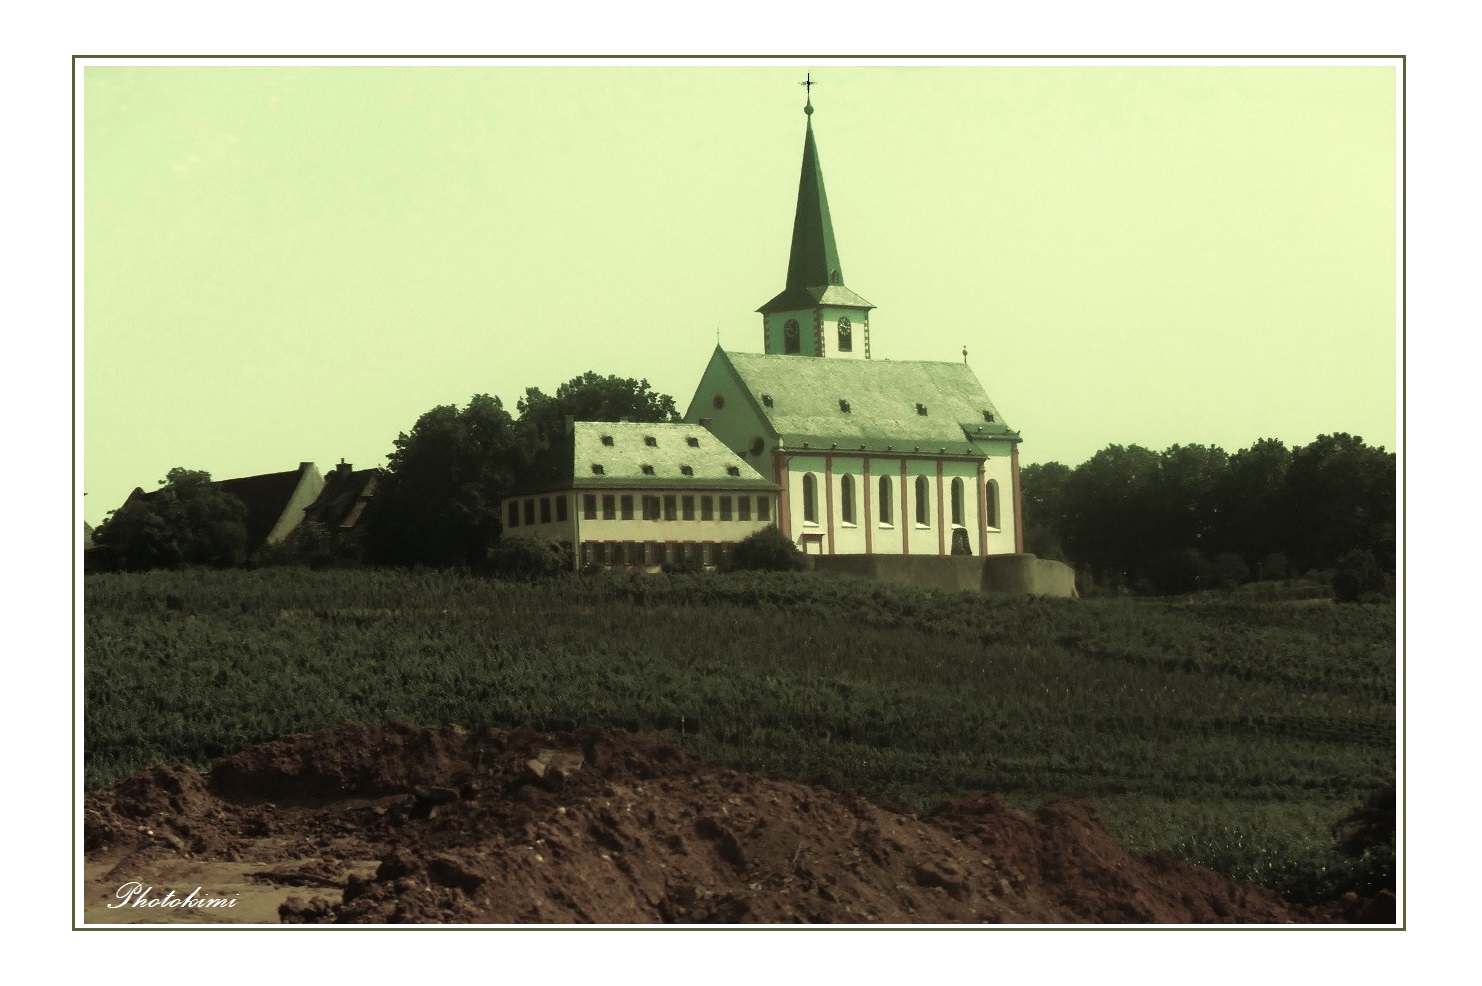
(1232, 733)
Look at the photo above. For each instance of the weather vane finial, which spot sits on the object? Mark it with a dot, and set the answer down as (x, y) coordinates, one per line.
(808, 84)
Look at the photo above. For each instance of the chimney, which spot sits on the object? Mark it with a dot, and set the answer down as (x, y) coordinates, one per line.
(343, 468)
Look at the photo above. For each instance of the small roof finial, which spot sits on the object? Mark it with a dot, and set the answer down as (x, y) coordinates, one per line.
(964, 354)
(808, 84)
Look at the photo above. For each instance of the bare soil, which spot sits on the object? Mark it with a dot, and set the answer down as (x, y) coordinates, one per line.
(405, 824)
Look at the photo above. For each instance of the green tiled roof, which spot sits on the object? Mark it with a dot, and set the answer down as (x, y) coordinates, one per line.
(829, 294)
(882, 398)
(623, 460)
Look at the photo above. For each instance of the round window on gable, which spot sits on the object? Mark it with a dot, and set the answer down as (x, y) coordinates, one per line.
(757, 445)
(718, 401)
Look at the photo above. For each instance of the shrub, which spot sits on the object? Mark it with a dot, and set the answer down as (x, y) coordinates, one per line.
(1229, 570)
(312, 544)
(1275, 566)
(767, 550)
(189, 521)
(1182, 570)
(1356, 575)
(519, 556)
(684, 566)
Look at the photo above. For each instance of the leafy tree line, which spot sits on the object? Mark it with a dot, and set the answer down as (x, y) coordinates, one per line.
(436, 504)
(1194, 516)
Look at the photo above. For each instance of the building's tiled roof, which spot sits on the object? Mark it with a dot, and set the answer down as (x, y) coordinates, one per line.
(266, 496)
(343, 498)
(639, 454)
(829, 294)
(894, 406)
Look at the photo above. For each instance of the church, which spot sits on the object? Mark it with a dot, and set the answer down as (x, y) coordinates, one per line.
(846, 454)
(869, 456)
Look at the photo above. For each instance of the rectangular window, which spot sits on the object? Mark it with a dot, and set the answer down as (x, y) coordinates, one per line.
(763, 508)
(561, 508)
(707, 508)
(609, 507)
(627, 502)
(514, 514)
(671, 507)
(687, 505)
(545, 510)
(530, 511)
(725, 508)
(743, 508)
(650, 508)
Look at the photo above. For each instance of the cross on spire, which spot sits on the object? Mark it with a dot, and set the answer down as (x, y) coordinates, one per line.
(808, 84)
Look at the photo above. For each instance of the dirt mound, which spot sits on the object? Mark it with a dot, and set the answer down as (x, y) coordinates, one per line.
(401, 823)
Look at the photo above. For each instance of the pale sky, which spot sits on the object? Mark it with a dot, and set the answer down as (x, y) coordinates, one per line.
(293, 263)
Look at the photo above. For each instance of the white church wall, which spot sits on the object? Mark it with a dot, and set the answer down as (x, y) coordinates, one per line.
(999, 470)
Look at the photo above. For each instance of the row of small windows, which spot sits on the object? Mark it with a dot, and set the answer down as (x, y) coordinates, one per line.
(598, 469)
(676, 507)
(792, 336)
(524, 511)
(653, 442)
(667, 507)
(885, 509)
(654, 552)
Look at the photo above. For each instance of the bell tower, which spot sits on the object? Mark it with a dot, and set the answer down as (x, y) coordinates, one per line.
(815, 315)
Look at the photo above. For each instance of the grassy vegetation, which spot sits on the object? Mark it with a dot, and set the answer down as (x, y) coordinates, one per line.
(1229, 732)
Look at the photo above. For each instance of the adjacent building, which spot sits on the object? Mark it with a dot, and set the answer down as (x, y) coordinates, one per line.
(643, 495)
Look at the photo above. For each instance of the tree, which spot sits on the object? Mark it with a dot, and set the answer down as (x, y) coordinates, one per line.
(1043, 487)
(1110, 515)
(438, 502)
(590, 397)
(1188, 476)
(1252, 519)
(189, 521)
(1340, 495)
(766, 550)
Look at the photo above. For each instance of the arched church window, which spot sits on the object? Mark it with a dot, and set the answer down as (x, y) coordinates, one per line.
(991, 502)
(885, 514)
(957, 506)
(791, 338)
(834, 278)
(846, 498)
(846, 336)
(923, 502)
(810, 499)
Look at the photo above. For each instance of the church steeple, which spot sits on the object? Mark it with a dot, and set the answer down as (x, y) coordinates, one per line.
(815, 258)
(815, 278)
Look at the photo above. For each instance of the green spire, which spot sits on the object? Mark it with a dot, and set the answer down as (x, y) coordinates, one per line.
(813, 265)
(814, 261)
